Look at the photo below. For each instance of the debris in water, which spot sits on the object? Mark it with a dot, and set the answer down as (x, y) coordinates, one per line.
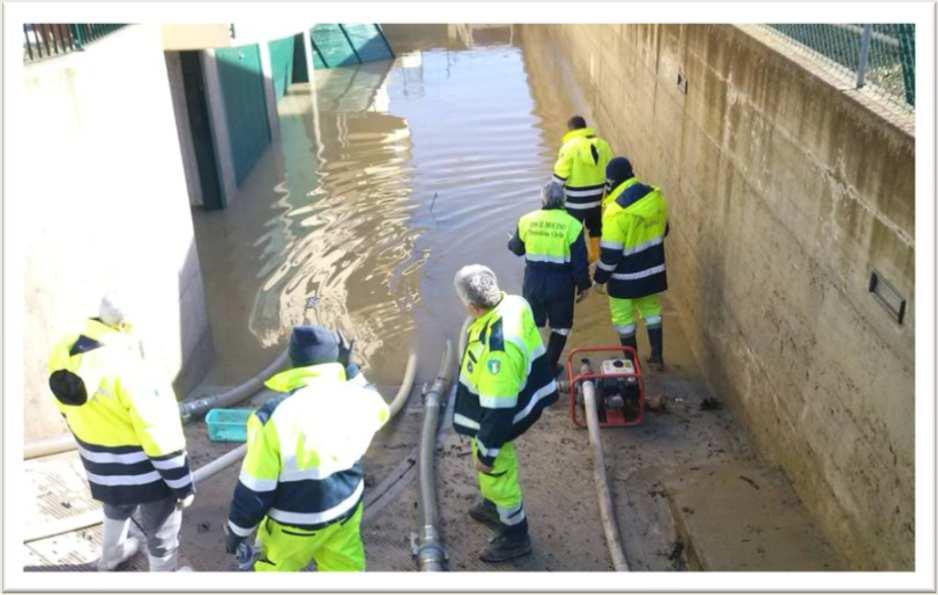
(204, 527)
(433, 201)
(312, 302)
(710, 404)
(749, 481)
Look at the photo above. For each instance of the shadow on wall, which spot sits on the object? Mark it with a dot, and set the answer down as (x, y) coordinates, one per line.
(192, 318)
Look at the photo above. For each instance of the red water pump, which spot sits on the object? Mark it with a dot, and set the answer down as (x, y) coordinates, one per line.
(620, 388)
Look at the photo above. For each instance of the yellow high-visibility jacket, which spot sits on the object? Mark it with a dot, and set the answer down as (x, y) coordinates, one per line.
(303, 464)
(126, 422)
(635, 223)
(581, 168)
(504, 377)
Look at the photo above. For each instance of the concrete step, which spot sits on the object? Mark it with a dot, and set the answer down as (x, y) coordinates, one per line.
(739, 516)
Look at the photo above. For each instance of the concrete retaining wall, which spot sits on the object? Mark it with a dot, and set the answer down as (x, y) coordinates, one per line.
(785, 193)
(107, 207)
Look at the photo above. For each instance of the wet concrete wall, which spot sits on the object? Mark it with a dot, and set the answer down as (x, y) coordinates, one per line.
(107, 207)
(785, 192)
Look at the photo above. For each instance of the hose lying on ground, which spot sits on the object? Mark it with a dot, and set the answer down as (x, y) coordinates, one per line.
(188, 410)
(610, 527)
(94, 517)
(430, 553)
(401, 397)
(191, 409)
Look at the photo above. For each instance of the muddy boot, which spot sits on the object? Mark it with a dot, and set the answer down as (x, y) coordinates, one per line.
(508, 544)
(166, 563)
(629, 341)
(656, 339)
(554, 350)
(117, 547)
(485, 513)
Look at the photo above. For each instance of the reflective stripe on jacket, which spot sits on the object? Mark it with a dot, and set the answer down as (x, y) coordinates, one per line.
(581, 168)
(551, 241)
(127, 424)
(635, 218)
(303, 462)
(504, 377)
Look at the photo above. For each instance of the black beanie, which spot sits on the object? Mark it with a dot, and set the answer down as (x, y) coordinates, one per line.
(618, 170)
(311, 345)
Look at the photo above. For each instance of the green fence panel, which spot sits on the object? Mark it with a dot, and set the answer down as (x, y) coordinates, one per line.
(368, 42)
(281, 64)
(242, 86)
(318, 62)
(333, 47)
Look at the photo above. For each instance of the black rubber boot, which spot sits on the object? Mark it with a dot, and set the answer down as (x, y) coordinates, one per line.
(656, 339)
(554, 350)
(629, 341)
(508, 544)
(486, 513)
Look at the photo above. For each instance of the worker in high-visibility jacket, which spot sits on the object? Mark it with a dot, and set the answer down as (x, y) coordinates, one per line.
(635, 223)
(580, 169)
(556, 267)
(129, 435)
(301, 482)
(505, 382)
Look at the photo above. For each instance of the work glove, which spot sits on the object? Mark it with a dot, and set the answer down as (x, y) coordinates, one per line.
(345, 349)
(183, 503)
(232, 541)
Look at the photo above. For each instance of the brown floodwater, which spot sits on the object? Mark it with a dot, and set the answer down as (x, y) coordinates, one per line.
(388, 177)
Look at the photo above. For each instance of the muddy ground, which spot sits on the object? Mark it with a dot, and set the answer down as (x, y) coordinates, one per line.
(556, 476)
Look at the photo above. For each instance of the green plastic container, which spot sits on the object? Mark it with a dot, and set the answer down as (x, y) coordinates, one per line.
(228, 425)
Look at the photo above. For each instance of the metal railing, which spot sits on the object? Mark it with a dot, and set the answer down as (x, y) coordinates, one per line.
(879, 58)
(44, 40)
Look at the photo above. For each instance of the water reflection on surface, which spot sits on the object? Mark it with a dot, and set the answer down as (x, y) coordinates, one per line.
(387, 178)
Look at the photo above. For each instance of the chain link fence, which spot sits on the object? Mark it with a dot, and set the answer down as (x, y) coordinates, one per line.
(880, 58)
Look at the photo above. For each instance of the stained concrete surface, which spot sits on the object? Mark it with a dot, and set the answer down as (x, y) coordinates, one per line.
(738, 516)
(785, 192)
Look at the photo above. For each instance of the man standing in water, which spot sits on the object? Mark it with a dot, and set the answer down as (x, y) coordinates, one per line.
(580, 170)
(301, 481)
(505, 382)
(635, 223)
(551, 241)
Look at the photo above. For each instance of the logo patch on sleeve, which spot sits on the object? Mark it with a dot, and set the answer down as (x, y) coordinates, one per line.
(494, 366)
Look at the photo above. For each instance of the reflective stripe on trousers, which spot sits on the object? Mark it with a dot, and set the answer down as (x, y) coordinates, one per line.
(501, 484)
(623, 312)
